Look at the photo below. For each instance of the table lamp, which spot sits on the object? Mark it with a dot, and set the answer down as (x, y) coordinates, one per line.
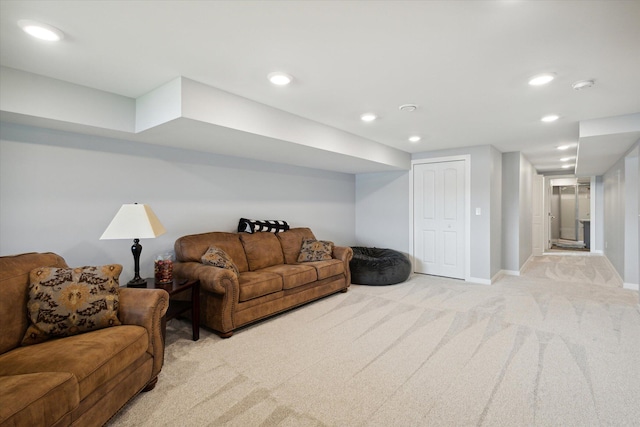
(134, 221)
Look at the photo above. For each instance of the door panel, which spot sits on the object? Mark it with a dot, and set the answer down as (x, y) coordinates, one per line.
(439, 228)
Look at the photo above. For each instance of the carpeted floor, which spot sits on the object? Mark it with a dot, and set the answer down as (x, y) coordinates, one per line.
(557, 346)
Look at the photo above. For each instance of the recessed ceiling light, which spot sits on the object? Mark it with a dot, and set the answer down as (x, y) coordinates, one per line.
(567, 166)
(541, 79)
(408, 107)
(368, 117)
(41, 31)
(550, 118)
(280, 79)
(414, 138)
(583, 84)
(564, 147)
(566, 159)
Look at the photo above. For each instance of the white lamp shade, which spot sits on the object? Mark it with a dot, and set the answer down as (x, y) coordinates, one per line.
(134, 221)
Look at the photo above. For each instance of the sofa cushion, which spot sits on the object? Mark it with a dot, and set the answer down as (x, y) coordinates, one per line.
(14, 287)
(39, 399)
(291, 242)
(315, 250)
(219, 258)
(256, 284)
(262, 250)
(293, 275)
(328, 268)
(192, 247)
(70, 301)
(93, 358)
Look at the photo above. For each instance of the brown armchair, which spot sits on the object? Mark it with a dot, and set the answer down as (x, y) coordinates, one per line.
(82, 379)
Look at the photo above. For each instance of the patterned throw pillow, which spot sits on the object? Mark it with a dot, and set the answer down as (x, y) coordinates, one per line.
(315, 250)
(70, 301)
(218, 258)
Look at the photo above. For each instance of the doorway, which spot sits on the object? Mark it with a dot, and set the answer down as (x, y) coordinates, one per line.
(570, 216)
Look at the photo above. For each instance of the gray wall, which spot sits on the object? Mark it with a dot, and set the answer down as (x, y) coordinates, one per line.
(598, 214)
(496, 212)
(613, 184)
(60, 190)
(510, 211)
(382, 208)
(525, 248)
(517, 210)
(632, 217)
(621, 188)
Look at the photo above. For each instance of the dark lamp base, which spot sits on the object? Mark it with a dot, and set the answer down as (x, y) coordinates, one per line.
(137, 283)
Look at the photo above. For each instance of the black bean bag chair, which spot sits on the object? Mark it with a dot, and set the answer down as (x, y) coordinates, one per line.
(375, 266)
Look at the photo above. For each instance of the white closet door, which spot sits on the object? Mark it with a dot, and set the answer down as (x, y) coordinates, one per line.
(439, 218)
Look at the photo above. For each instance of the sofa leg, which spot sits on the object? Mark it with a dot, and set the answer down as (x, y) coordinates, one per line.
(344, 291)
(151, 385)
(224, 334)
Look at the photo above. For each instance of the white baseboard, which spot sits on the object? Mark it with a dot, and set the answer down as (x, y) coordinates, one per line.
(515, 272)
(510, 272)
(597, 251)
(632, 286)
(526, 264)
(615, 272)
(497, 276)
(478, 280)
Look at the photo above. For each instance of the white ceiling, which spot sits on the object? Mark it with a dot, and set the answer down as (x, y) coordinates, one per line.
(465, 63)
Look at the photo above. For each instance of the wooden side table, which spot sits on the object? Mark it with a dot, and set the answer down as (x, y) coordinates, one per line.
(177, 307)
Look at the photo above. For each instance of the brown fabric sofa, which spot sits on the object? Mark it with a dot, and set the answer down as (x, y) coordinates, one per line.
(270, 279)
(80, 380)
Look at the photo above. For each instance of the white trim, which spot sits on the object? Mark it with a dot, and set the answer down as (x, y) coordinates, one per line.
(467, 216)
(478, 281)
(510, 272)
(572, 253)
(597, 251)
(631, 286)
(499, 275)
(526, 263)
(615, 272)
(517, 272)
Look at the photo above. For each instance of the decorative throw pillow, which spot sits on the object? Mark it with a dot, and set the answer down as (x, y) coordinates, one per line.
(268, 225)
(218, 258)
(70, 301)
(315, 250)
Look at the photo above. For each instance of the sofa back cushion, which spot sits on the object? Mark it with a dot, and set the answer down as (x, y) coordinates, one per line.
(291, 242)
(262, 249)
(14, 287)
(192, 247)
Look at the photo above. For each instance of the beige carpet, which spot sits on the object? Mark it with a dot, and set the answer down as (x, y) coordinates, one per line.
(558, 346)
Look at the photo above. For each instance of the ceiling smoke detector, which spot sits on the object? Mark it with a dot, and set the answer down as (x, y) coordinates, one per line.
(408, 107)
(583, 84)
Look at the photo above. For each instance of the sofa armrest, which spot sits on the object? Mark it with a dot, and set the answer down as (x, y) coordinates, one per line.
(212, 279)
(344, 253)
(222, 283)
(146, 307)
